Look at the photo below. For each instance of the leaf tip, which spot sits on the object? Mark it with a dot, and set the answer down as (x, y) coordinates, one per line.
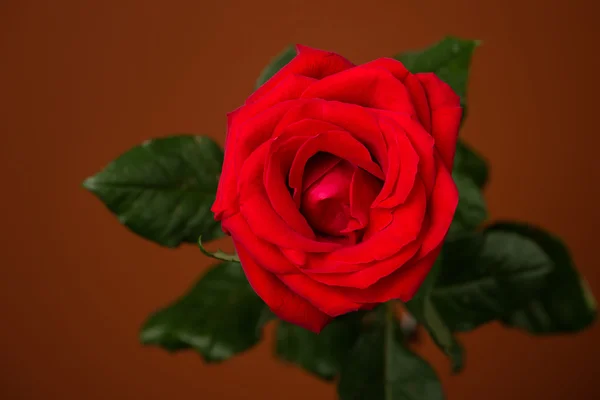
(150, 334)
(588, 295)
(89, 183)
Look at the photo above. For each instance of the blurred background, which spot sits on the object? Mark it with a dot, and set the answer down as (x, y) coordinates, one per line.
(83, 81)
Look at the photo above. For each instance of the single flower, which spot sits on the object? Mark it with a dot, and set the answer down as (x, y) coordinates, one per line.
(336, 186)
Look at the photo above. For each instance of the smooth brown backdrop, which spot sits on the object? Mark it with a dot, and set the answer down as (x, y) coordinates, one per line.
(83, 81)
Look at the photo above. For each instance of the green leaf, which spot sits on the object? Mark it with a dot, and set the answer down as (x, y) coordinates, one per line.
(566, 303)
(219, 317)
(449, 59)
(469, 163)
(163, 189)
(320, 354)
(471, 211)
(278, 62)
(486, 275)
(380, 367)
(423, 309)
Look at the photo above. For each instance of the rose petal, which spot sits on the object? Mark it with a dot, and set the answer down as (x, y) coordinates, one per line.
(445, 115)
(266, 224)
(369, 273)
(356, 120)
(363, 190)
(264, 253)
(403, 166)
(419, 100)
(275, 183)
(404, 227)
(309, 62)
(379, 219)
(260, 215)
(283, 149)
(296, 257)
(445, 126)
(317, 166)
(395, 67)
(439, 93)
(442, 205)
(303, 127)
(326, 203)
(325, 298)
(284, 303)
(348, 239)
(338, 143)
(412, 84)
(401, 284)
(424, 145)
(289, 87)
(367, 87)
(242, 139)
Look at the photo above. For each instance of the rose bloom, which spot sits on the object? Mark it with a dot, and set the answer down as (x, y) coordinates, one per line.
(336, 185)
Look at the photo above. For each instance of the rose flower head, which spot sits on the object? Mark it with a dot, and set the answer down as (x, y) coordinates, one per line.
(336, 185)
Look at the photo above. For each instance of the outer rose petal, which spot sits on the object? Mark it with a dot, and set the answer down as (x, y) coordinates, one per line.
(412, 84)
(367, 87)
(284, 303)
(445, 125)
(419, 98)
(442, 205)
(242, 139)
(395, 67)
(326, 298)
(309, 62)
(289, 87)
(402, 284)
(266, 254)
(439, 93)
(445, 115)
(370, 273)
(248, 127)
(296, 257)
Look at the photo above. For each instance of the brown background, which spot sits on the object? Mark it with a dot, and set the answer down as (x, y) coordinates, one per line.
(83, 81)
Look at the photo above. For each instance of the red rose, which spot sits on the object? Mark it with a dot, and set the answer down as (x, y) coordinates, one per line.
(336, 186)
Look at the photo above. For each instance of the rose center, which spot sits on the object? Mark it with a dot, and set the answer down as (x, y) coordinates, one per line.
(336, 196)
